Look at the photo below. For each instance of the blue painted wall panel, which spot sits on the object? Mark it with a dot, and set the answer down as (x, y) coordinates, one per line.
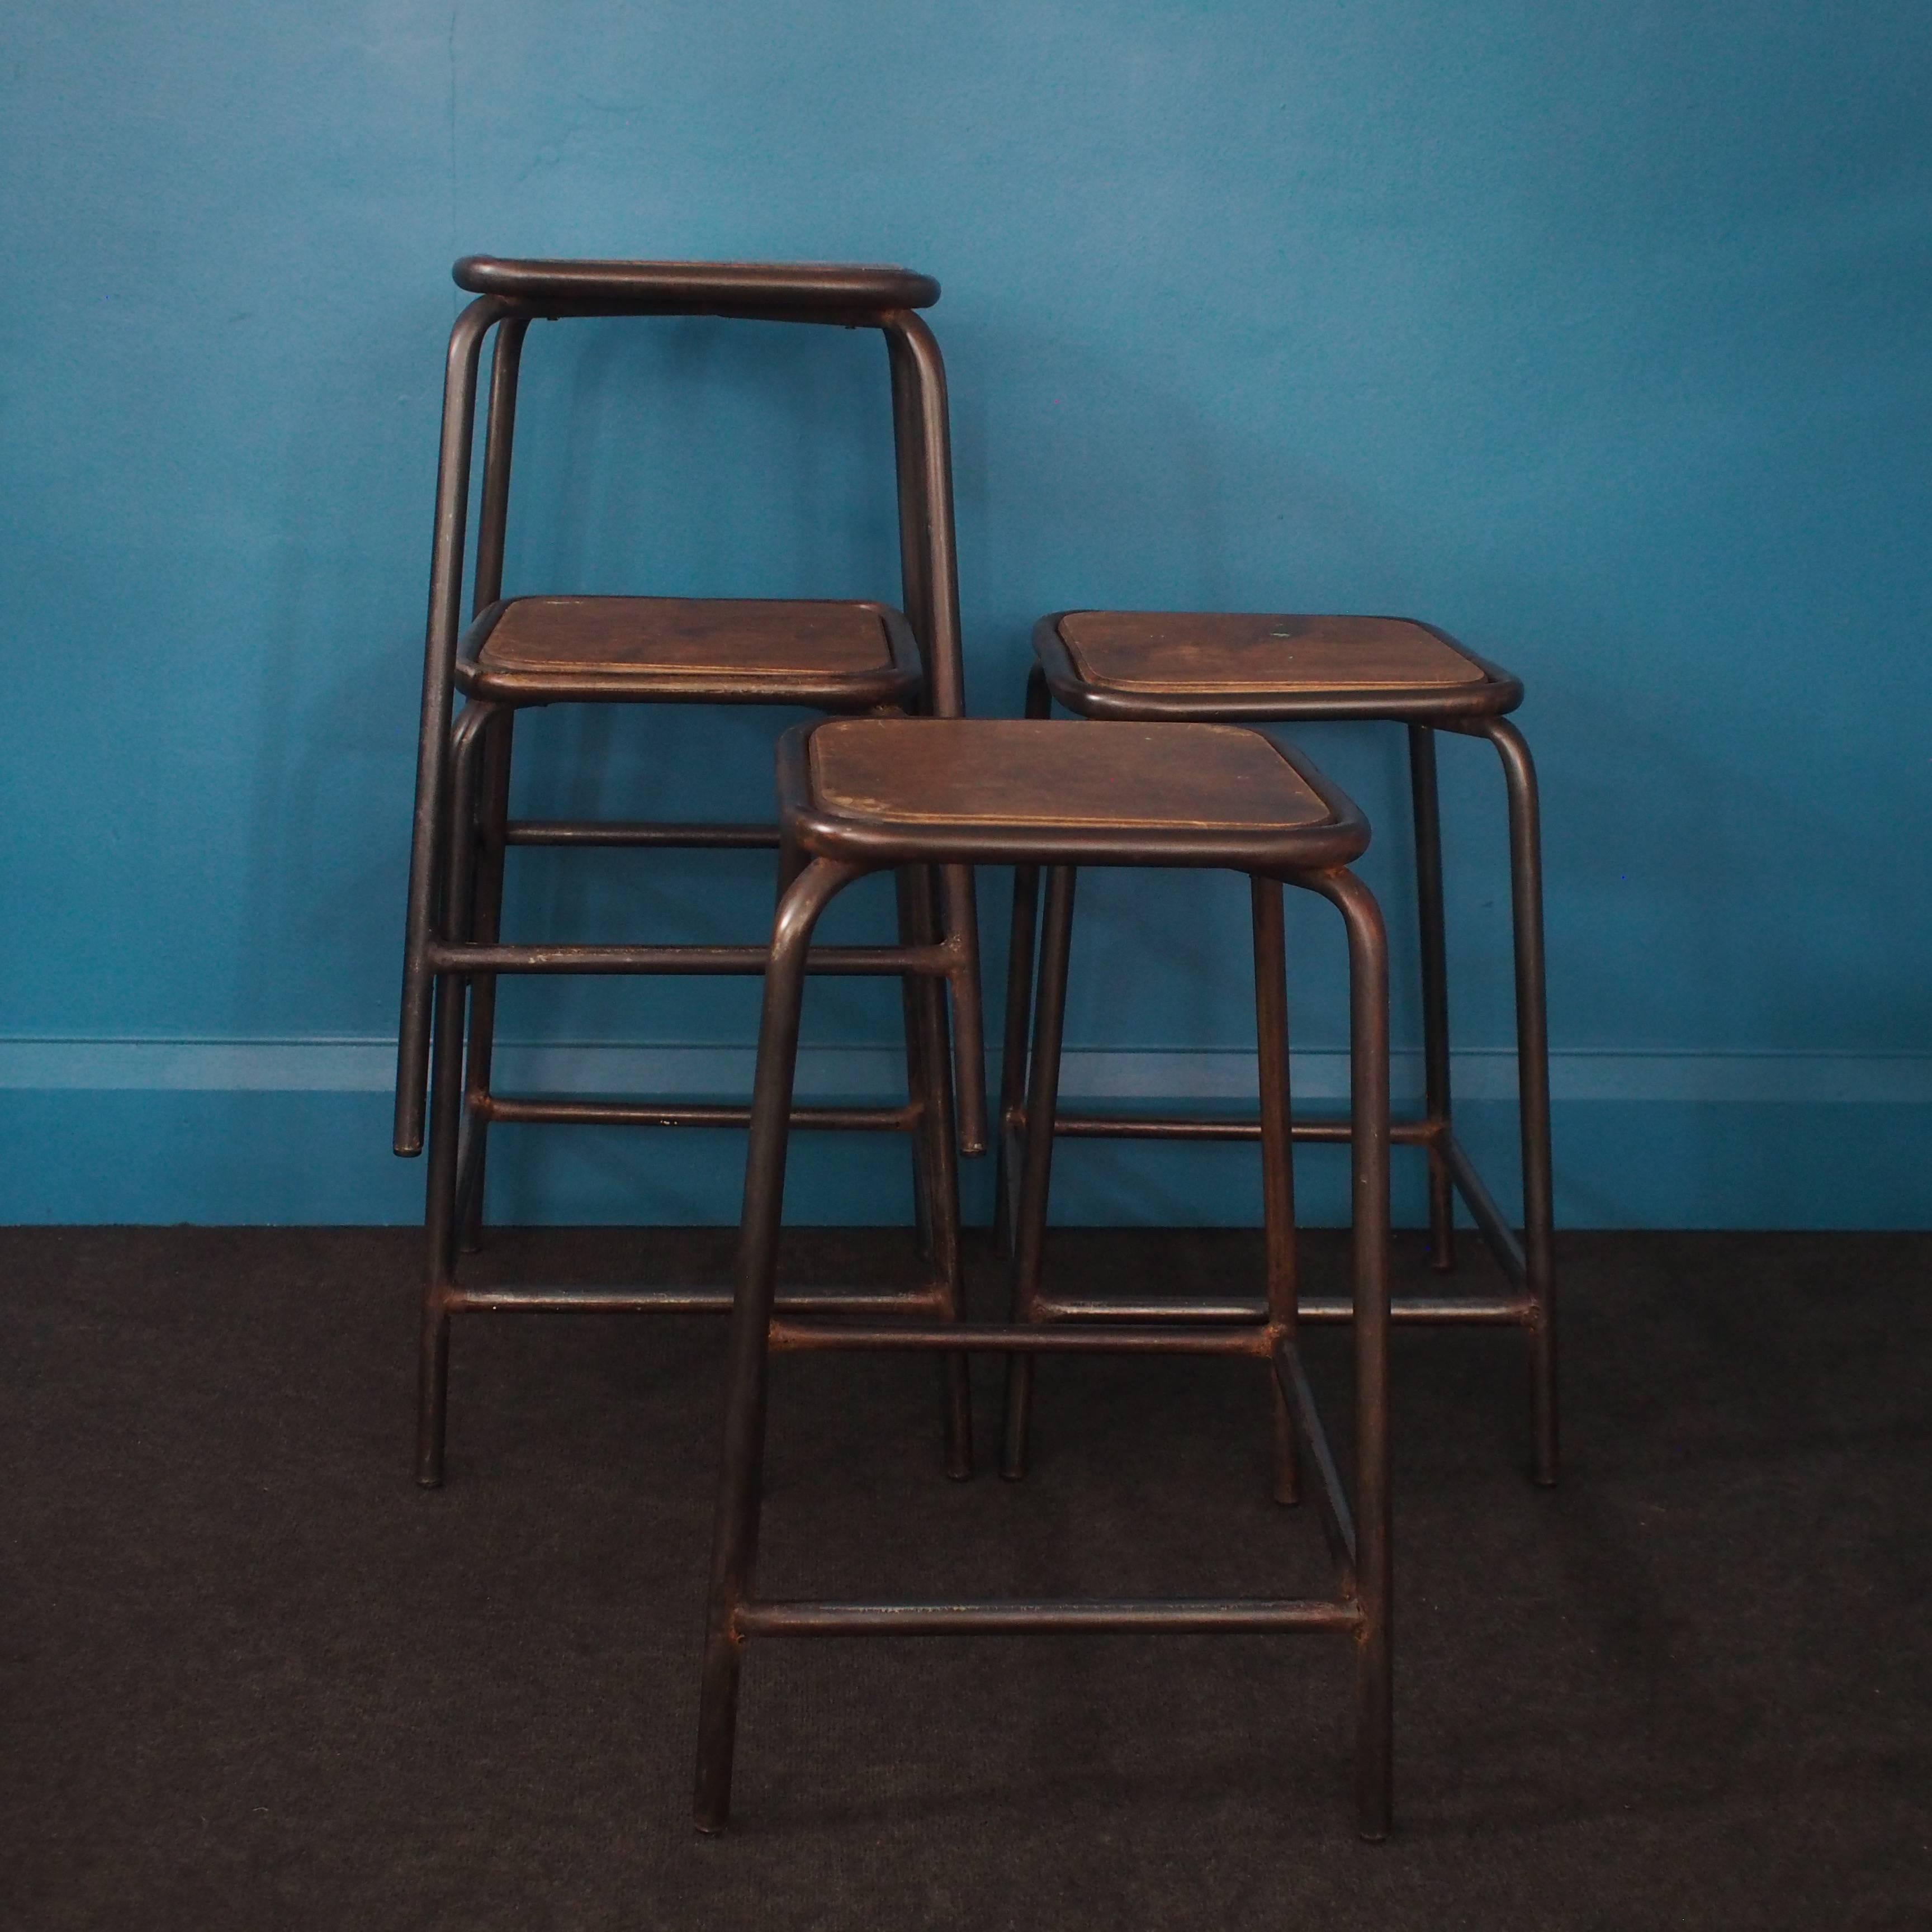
(1596, 335)
(129, 1157)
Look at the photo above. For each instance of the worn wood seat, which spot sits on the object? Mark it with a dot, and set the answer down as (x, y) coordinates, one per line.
(1263, 666)
(882, 790)
(834, 656)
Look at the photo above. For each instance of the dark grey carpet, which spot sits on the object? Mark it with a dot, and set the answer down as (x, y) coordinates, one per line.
(252, 1677)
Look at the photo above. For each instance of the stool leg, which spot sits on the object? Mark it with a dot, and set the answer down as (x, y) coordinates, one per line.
(445, 621)
(1019, 997)
(919, 1080)
(1532, 1061)
(445, 1111)
(959, 895)
(493, 514)
(1036, 1154)
(1277, 1156)
(1369, 1173)
(1434, 948)
(936, 1165)
(735, 1531)
(445, 1114)
(487, 925)
(1013, 1056)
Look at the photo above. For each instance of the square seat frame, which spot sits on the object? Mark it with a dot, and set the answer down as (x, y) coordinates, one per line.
(828, 849)
(453, 953)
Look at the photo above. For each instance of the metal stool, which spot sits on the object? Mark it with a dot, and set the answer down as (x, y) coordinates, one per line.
(858, 795)
(858, 657)
(1184, 667)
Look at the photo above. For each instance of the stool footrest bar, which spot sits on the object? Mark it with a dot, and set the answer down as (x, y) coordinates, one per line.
(673, 837)
(1205, 1127)
(1204, 1615)
(1338, 1521)
(1516, 1310)
(1496, 1231)
(620, 1300)
(1029, 1338)
(938, 961)
(540, 1110)
(1169, 1308)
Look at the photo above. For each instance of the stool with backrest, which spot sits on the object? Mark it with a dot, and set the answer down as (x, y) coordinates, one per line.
(858, 657)
(1182, 666)
(859, 795)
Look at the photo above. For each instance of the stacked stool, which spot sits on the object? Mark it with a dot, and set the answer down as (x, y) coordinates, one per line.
(858, 657)
(1190, 668)
(858, 796)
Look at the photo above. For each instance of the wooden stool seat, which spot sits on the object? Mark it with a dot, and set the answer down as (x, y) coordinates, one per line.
(869, 788)
(714, 650)
(1013, 772)
(1180, 664)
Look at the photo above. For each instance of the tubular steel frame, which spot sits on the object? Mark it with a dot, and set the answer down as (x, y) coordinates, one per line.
(463, 831)
(1528, 1260)
(1358, 1532)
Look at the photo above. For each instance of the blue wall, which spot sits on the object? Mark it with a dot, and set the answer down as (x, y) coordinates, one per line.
(1598, 335)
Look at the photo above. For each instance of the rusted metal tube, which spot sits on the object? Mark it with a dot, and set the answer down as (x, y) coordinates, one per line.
(1019, 1011)
(1029, 1337)
(1270, 950)
(493, 514)
(1199, 1127)
(746, 962)
(1369, 1180)
(689, 835)
(543, 1112)
(1495, 1231)
(734, 1539)
(446, 624)
(1433, 949)
(1532, 1062)
(936, 1161)
(539, 1299)
(1036, 1155)
(1338, 1524)
(441, 1202)
(1517, 1311)
(1202, 1616)
(485, 925)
